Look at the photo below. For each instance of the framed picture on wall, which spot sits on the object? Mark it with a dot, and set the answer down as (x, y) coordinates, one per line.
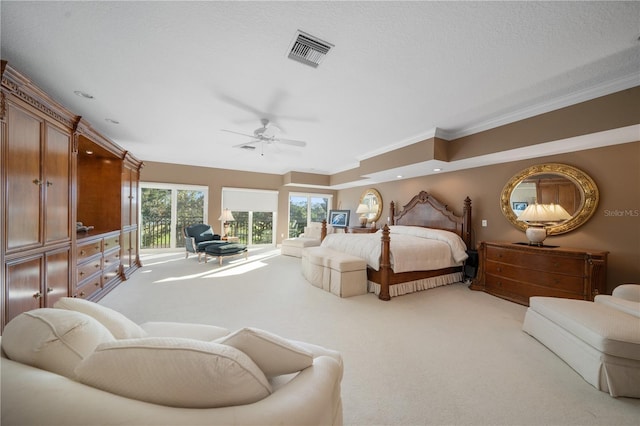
(519, 205)
(339, 218)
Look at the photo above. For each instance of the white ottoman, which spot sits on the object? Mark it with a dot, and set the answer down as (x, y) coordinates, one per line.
(294, 246)
(348, 275)
(342, 274)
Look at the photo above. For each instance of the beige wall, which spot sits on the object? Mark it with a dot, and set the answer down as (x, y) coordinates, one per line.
(216, 179)
(615, 169)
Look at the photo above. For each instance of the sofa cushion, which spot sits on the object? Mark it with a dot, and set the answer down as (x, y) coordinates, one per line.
(609, 330)
(55, 340)
(186, 330)
(628, 306)
(273, 354)
(628, 292)
(120, 326)
(175, 372)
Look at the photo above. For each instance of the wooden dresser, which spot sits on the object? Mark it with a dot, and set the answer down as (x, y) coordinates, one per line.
(516, 271)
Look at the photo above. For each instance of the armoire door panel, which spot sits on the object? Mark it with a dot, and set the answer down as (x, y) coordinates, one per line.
(58, 266)
(24, 278)
(57, 183)
(24, 188)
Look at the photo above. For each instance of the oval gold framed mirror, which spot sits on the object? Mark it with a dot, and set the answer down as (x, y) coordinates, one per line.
(372, 199)
(548, 183)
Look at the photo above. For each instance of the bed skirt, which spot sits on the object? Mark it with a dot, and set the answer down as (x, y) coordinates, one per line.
(418, 285)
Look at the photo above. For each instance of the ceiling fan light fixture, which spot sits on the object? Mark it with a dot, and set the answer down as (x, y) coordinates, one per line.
(308, 49)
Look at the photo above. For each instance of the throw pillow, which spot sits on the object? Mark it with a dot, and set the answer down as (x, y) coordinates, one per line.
(175, 372)
(120, 326)
(55, 340)
(273, 354)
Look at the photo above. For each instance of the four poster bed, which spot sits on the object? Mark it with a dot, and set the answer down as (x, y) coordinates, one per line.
(424, 247)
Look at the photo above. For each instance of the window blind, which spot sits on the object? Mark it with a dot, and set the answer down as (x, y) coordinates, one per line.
(255, 200)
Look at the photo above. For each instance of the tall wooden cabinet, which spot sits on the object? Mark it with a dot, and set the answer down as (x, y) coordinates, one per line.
(47, 184)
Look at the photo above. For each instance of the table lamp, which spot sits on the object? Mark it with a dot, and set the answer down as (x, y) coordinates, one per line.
(538, 217)
(363, 210)
(227, 217)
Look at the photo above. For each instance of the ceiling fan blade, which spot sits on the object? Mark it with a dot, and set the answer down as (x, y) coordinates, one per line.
(242, 145)
(238, 133)
(292, 142)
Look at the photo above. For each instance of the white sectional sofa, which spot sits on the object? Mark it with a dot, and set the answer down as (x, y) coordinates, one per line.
(600, 340)
(83, 364)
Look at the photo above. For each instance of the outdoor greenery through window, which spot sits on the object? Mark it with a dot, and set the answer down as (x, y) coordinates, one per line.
(166, 210)
(252, 228)
(305, 209)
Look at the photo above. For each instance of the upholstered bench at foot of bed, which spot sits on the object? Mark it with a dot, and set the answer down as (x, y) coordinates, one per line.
(342, 274)
(599, 342)
(225, 249)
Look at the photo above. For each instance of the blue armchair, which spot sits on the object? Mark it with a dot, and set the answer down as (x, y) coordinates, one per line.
(197, 237)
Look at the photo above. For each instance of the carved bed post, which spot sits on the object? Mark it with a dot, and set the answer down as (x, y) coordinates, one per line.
(466, 222)
(392, 213)
(323, 231)
(385, 265)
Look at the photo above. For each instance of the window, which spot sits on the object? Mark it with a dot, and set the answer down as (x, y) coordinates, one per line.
(254, 213)
(166, 209)
(305, 209)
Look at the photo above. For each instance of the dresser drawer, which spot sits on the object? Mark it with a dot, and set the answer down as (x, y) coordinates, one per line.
(91, 266)
(537, 261)
(87, 250)
(111, 258)
(89, 286)
(521, 291)
(111, 242)
(109, 273)
(570, 283)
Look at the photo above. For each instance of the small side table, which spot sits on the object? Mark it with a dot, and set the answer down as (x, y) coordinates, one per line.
(230, 239)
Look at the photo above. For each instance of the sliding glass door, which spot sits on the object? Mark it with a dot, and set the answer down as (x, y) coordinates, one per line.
(305, 209)
(166, 209)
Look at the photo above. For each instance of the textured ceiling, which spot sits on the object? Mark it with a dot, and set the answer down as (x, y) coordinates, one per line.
(174, 74)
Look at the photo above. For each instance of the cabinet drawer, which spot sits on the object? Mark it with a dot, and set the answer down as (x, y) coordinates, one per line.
(111, 242)
(87, 250)
(89, 286)
(521, 291)
(111, 258)
(569, 283)
(92, 266)
(537, 261)
(109, 273)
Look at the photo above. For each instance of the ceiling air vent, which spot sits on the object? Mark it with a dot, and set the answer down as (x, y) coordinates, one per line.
(308, 49)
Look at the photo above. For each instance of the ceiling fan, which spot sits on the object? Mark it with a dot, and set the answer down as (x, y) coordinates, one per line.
(267, 134)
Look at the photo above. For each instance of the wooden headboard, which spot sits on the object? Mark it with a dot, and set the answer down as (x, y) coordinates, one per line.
(426, 211)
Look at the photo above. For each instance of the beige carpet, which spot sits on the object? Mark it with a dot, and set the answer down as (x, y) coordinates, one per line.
(446, 356)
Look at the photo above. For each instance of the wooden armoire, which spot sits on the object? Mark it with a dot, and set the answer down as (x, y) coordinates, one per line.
(56, 171)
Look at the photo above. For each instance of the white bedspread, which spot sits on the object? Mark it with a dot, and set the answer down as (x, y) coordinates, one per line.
(412, 248)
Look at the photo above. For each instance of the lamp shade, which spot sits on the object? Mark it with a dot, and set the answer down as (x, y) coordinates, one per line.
(362, 208)
(544, 213)
(226, 216)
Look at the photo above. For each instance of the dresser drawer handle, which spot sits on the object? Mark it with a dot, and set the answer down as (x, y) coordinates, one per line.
(499, 269)
(82, 252)
(81, 294)
(81, 273)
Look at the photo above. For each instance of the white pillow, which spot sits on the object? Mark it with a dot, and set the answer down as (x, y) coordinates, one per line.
(120, 326)
(175, 372)
(55, 340)
(273, 354)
